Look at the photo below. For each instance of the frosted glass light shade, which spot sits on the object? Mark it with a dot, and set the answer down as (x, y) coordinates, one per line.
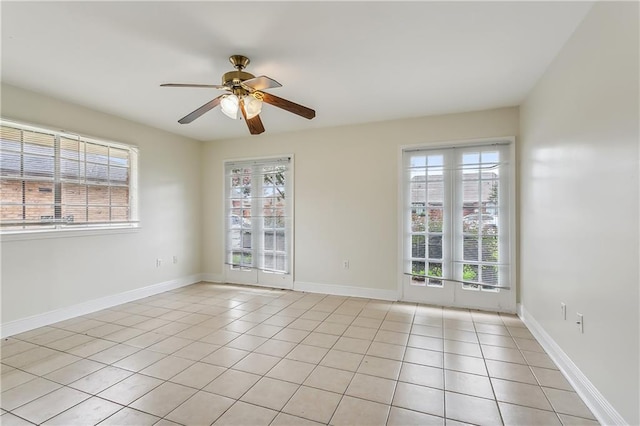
(229, 106)
(252, 106)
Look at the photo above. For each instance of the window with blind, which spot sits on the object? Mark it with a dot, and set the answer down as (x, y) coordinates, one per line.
(258, 215)
(58, 180)
(457, 216)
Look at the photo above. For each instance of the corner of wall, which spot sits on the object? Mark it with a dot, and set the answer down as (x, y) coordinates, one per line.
(597, 403)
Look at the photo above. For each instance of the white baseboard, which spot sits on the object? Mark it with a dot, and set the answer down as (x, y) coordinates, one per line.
(597, 403)
(212, 278)
(344, 290)
(47, 318)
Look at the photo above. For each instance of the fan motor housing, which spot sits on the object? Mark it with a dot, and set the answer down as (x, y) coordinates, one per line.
(234, 78)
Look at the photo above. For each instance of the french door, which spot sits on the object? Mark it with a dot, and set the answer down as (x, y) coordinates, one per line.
(258, 213)
(458, 226)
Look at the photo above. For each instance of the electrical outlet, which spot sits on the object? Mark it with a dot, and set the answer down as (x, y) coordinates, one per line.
(158, 263)
(175, 259)
(563, 310)
(345, 264)
(580, 322)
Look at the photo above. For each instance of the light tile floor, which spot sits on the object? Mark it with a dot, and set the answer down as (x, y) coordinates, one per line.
(235, 355)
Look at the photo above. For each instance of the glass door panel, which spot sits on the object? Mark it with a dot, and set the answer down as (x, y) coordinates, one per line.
(456, 227)
(258, 212)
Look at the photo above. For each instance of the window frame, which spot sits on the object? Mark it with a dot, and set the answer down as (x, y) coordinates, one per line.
(60, 228)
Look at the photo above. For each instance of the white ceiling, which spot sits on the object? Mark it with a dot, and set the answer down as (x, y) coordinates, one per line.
(353, 62)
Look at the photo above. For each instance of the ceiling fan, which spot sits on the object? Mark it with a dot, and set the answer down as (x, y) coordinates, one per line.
(246, 97)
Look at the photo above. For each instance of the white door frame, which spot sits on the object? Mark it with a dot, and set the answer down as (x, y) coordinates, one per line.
(254, 276)
(447, 299)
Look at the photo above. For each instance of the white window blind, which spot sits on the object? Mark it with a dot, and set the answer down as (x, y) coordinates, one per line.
(457, 216)
(55, 180)
(258, 215)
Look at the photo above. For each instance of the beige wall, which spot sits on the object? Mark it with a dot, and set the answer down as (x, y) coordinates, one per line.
(346, 192)
(45, 274)
(579, 202)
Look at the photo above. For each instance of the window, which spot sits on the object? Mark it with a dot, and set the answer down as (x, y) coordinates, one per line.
(258, 212)
(457, 218)
(57, 180)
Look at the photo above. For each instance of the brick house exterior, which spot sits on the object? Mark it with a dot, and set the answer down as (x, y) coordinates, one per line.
(80, 203)
(93, 183)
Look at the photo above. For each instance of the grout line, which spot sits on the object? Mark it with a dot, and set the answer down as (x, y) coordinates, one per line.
(493, 391)
(189, 302)
(359, 364)
(444, 370)
(282, 358)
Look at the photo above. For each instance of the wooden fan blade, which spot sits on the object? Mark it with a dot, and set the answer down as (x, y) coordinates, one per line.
(292, 107)
(254, 124)
(262, 82)
(197, 113)
(208, 86)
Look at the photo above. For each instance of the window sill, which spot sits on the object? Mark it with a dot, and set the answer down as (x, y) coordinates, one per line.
(41, 234)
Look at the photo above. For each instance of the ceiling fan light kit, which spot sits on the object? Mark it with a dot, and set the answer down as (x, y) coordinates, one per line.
(246, 97)
(230, 105)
